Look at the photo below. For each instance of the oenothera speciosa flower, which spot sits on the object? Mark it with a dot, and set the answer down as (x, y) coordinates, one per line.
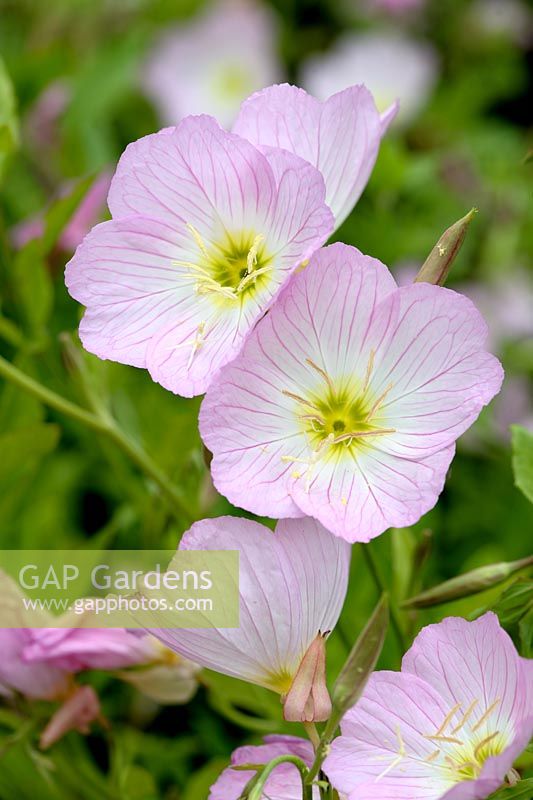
(347, 398)
(143, 661)
(41, 662)
(340, 137)
(206, 229)
(449, 725)
(292, 585)
(284, 783)
(227, 51)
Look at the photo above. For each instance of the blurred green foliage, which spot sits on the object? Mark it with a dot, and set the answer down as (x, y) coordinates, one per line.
(63, 486)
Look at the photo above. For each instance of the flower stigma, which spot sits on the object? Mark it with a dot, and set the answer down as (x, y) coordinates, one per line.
(461, 749)
(338, 417)
(230, 269)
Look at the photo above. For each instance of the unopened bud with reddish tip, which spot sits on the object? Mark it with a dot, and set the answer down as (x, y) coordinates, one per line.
(308, 698)
(76, 714)
(437, 265)
(478, 580)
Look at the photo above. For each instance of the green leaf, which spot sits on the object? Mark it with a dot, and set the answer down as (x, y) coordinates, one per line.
(515, 602)
(525, 629)
(32, 286)
(522, 442)
(8, 119)
(523, 790)
(359, 664)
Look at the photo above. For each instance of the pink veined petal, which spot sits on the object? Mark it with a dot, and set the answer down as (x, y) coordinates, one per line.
(195, 173)
(76, 649)
(298, 224)
(123, 273)
(466, 661)
(358, 498)
(343, 326)
(292, 584)
(285, 782)
(391, 719)
(245, 419)
(340, 137)
(438, 715)
(40, 681)
(433, 366)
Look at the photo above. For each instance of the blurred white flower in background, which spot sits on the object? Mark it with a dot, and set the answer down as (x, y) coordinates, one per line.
(212, 63)
(510, 19)
(395, 6)
(391, 65)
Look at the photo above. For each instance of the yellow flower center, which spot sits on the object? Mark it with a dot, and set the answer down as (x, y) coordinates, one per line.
(338, 417)
(463, 743)
(229, 269)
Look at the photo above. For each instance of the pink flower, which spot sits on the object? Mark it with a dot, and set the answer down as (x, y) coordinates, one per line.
(284, 783)
(292, 587)
(88, 213)
(206, 229)
(152, 669)
(37, 681)
(449, 725)
(340, 137)
(77, 649)
(347, 398)
(393, 66)
(225, 53)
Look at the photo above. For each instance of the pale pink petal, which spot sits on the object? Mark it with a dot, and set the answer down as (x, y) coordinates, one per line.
(404, 368)
(383, 748)
(195, 173)
(285, 782)
(297, 224)
(76, 649)
(467, 661)
(39, 681)
(123, 273)
(292, 585)
(246, 420)
(359, 499)
(433, 367)
(340, 137)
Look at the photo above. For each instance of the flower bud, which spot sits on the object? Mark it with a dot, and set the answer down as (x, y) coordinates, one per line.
(470, 583)
(360, 663)
(308, 699)
(437, 265)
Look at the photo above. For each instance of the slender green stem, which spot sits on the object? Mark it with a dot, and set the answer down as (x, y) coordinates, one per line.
(314, 736)
(103, 425)
(380, 585)
(254, 789)
(321, 753)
